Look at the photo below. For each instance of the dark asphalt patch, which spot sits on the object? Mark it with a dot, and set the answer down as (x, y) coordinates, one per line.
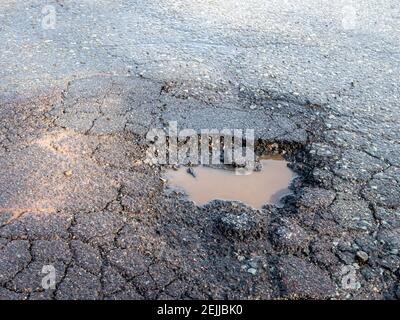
(116, 234)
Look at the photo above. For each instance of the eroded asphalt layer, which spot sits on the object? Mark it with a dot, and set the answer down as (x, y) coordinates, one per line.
(76, 193)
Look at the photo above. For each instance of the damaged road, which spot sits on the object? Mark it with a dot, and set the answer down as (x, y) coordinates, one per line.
(76, 192)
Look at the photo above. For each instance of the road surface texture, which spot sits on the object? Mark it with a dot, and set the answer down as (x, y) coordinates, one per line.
(79, 91)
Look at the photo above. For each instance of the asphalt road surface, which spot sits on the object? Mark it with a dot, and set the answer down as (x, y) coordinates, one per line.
(82, 82)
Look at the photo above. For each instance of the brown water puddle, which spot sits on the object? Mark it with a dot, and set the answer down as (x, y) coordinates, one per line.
(267, 186)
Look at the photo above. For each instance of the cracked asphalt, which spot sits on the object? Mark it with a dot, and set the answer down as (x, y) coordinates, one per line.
(76, 103)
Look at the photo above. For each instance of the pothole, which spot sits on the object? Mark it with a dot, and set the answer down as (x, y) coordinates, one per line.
(203, 184)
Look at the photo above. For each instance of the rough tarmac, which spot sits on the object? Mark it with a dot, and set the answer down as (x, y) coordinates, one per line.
(76, 103)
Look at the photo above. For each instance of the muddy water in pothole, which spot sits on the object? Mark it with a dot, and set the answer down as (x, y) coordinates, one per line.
(267, 186)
